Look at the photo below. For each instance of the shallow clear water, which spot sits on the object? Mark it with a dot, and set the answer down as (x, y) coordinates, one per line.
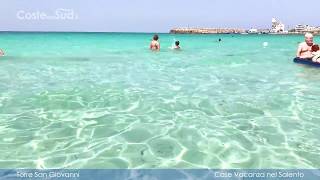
(103, 100)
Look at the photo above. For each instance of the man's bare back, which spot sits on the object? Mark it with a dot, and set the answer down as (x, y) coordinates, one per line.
(155, 45)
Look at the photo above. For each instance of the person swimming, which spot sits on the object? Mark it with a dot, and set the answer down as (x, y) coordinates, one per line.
(177, 45)
(155, 45)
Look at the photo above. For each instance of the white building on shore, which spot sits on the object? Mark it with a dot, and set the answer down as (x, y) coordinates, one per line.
(306, 28)
(253, 31)
(300, 28)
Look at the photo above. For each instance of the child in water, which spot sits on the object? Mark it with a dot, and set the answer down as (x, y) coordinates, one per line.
(316, 53)
(1, 52)
(155, 45)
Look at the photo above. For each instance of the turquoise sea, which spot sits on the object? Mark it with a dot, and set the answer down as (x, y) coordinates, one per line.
(103, 100)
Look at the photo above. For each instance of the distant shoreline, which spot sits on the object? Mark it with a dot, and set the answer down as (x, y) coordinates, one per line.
(232, 31)
(82, 32)
(175, 32)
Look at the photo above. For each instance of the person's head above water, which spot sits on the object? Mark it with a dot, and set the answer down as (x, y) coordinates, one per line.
(308, 38)
(156, 37)
(177, 43)
(315, 48)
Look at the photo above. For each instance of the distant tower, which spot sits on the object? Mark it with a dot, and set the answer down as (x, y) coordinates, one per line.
(277, 26)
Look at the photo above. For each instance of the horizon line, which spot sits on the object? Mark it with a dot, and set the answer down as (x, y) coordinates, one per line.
(22, 31)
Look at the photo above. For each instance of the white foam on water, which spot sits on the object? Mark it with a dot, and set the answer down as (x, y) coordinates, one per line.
(265, 44)
(40, 163)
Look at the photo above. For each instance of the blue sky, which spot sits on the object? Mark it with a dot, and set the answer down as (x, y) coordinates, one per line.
(155, 16)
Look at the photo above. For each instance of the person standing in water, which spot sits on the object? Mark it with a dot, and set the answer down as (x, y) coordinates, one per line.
(155, 45)
(305, 48)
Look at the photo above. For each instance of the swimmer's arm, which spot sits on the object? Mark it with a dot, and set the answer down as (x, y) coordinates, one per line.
(315, 53)
(307, 56)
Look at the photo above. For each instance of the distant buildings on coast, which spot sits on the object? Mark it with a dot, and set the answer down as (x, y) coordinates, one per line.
(207, 31)
(305, 28)
(277, 27)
